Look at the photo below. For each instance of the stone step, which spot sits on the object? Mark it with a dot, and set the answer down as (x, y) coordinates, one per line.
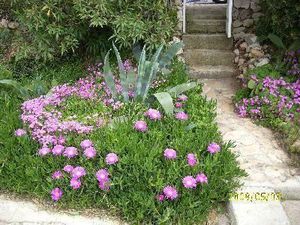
(211, 72)
(206, 11)
(206, 26)
(202, 57)
(207, 41)
(259, 212)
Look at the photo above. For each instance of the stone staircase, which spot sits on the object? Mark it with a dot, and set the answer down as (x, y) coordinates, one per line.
(207, 51)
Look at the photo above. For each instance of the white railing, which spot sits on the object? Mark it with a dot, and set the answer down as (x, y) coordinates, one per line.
(183, 17)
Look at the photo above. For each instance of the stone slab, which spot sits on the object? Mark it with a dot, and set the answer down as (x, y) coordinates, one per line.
(23, 212)
(257, 212)
(292, 209)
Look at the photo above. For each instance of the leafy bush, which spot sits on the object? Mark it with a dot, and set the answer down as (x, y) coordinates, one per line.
(139, 170)
(58, 27)
(282, 19)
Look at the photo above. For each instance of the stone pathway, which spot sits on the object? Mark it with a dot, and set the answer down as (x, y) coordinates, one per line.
(15, 212)
(266, 163)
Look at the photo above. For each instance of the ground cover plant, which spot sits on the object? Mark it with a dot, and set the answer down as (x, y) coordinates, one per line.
(271, 95)
(81, 147)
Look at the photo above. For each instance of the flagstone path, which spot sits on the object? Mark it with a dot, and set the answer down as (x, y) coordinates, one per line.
(267, 164)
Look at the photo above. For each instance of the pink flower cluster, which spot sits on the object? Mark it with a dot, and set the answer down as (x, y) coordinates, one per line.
(75, 174)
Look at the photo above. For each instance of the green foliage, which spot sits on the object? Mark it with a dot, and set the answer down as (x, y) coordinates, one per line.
(147, 69)
(142, 171)
(282, 19)
(61, 27)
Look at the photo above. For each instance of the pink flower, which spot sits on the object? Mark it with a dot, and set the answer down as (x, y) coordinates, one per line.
(20, 132)
(181, 116)
(61, 140)
(86, 144)
(75, 183)
(104, 185)
(111, 158)
(70, 152)
(170, 192)
(78, 172)
(44, 151)
(90, 152)
(213, 148)
(160, 197)
(153, 114)
(58, 149)
(56, 194)
(189, 182)
(178, 105)
(182, 98)
(102, 175)
(170, 153)
(141, 126)
(57, 175)
(201, 178)
(68, 168)
(191, 159)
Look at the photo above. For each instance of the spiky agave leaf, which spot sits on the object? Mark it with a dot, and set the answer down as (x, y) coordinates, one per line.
(141, 73)
(169, 54)
(166, 101)
(123, 77)
(108, 76)
(177, 90)
(150, 76)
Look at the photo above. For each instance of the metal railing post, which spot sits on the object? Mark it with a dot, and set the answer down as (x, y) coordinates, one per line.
(183, 17)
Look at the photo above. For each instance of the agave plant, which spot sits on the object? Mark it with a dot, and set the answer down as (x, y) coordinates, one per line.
(147, 71)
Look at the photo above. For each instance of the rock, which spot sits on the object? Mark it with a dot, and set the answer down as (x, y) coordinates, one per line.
(243, 46)
(248, 22)
(236, 59)
(238, 30)
(245, 4)
(4, 23)
(237, 23)
(255, 7)
(245, 14)
(262, 62)
(241, 62)
(251, 39)
(256, 16)
(296, 147)
(256, 53)
(239, 36)
(236, 52)
(13, 25)
(255, 45)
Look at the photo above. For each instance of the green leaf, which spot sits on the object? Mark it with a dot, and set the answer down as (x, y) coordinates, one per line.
(11, 83)
(108, 76)
(175, 91)
(150, 76)
(166, 101)
(169, 54)
(141, 72)
(276, 41)
(251, 84)
(295, 45)
(122, 72)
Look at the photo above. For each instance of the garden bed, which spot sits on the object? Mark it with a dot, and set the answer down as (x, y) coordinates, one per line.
(82, 149)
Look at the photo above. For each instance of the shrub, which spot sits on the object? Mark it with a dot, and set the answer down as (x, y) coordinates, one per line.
(139, 176)
(58, 27)
(282, 19)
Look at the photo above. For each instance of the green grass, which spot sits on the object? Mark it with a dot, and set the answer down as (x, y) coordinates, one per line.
(142, 171)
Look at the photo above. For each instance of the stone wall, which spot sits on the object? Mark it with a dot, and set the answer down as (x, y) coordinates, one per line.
(245, 14)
